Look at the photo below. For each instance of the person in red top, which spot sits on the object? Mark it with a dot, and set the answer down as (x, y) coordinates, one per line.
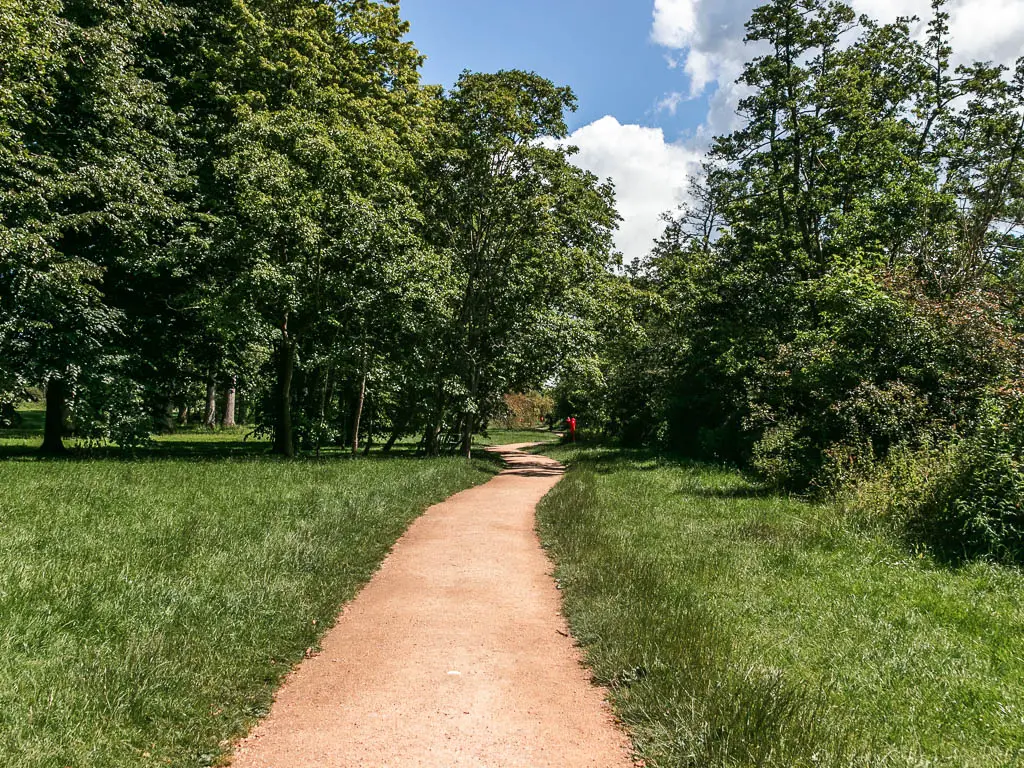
(571, 421)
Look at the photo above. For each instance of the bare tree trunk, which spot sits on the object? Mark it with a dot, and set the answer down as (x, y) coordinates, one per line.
(284, 432)
(359, 414)
(210, 419)
(396, 433)
(369, 438)
(56, 408)
(467, 436)
(229, 403)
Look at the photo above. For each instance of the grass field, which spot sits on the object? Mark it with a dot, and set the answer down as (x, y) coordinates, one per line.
(148, 608)
(513, 436)
(739, 628)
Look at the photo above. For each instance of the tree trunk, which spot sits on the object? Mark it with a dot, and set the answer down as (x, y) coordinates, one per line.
(229, 403)
(467, 427)
(56, 407)
(210, 419)
(397, 432)
(467, 436)
(434, 427)
(369, 439)
(167, 425)
(430, 439)
(359, 416)
(284, 433)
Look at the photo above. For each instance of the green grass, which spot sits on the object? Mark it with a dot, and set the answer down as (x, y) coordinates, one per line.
(513, 436)
(149, 607)
(740, 628)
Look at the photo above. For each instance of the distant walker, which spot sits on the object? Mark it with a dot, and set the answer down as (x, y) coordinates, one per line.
(571, 423)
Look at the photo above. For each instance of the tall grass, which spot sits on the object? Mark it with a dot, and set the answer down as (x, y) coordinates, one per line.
(740, 628)
(149, 608)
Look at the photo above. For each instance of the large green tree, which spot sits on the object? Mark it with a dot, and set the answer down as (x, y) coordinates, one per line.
(320, 167)
(845, 281)
(528, 234)
(88, 200)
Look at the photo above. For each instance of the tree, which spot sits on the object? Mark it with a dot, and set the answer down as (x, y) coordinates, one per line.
(89, 198)
(317, 173)
(527, 233)
(846, 281)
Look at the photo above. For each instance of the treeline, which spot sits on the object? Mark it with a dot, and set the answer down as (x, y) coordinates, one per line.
(259, 198)
(840, 307)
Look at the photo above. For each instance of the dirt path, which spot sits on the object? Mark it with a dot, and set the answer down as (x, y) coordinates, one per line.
(455, 654)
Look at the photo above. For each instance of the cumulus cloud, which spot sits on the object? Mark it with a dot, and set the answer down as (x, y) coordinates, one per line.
(651, 175)
(707, 33)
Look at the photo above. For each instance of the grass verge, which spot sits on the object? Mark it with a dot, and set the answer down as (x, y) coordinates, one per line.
(740, 628)
(149, 608)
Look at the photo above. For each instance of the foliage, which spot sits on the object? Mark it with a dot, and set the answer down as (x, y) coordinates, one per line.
(528, 233)
(960, 501)
(526, 410)
(256, 205)
(845, 283)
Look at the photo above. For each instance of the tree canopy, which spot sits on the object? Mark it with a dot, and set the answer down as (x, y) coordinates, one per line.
(257, 200)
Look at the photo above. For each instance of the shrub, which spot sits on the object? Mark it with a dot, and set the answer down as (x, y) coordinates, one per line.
(525, 410)
(882, 368)
(962, 502)
(971, 506)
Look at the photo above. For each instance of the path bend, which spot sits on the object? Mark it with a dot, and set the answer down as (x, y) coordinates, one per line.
(455, 654)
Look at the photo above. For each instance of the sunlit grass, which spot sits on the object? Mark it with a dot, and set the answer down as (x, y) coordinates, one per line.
(150, 606)
(512, 436)
(740, 628)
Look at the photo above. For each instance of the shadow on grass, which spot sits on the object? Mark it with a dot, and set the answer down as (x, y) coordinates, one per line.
(203, 447)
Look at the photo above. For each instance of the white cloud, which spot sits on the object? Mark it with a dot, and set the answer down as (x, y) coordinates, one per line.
(989, 29)
(651, 176)
(675, 22)
(670, 103)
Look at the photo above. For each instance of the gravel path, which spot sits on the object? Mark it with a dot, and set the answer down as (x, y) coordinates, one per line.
(455, 654)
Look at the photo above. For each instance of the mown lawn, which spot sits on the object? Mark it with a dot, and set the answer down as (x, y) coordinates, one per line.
(149, 607)
(513, 436)
(739, 628)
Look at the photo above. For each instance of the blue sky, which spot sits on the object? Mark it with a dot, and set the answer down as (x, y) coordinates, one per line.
(655, 78)
(601, 48)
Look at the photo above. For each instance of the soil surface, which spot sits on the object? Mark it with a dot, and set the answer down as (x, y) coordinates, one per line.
(455, 654)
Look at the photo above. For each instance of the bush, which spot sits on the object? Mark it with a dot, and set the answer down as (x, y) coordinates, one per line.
(881, 369)
(963, 502)
(525, 410)
(971, 507)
